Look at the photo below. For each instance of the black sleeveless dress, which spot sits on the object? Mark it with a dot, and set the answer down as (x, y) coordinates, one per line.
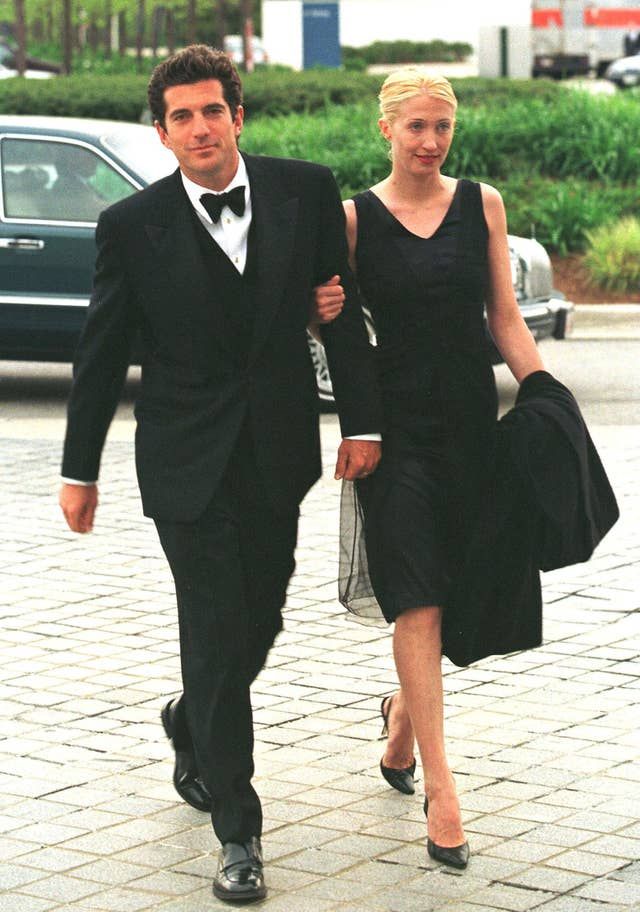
(404, 529)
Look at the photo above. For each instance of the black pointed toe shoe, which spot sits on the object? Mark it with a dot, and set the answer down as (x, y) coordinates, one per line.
(186, 779)
(400, 779)
(240, 875)
(454, 856)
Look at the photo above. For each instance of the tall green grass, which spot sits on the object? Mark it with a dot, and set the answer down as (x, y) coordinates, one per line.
(613, 258)
(565, 165)
(574, 135)
(561, 213)
(344, 138)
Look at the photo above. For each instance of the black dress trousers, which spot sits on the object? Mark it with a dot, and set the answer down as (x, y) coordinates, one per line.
(231, 569)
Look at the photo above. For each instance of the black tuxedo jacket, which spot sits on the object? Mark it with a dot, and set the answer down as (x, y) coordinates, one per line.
(151, 283)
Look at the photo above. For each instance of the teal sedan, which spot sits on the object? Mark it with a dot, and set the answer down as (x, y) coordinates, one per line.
(56, 176)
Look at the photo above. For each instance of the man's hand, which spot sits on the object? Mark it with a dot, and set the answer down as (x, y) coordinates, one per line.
(357, 458)
(79, 504)
(328, 301)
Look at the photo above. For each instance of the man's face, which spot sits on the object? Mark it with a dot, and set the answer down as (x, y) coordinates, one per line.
(201, 132)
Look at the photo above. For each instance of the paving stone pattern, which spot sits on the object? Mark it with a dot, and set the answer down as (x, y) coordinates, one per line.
(544, 744)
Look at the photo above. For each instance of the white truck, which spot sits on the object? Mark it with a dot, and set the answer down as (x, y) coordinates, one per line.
(579, 37)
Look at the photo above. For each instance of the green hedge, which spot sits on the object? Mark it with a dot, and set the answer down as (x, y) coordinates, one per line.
(402, 51)
(267, 92)
(115, 97)
(124, 97)
(270, 92)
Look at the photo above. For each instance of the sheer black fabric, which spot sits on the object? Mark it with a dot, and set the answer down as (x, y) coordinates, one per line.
(354, 585)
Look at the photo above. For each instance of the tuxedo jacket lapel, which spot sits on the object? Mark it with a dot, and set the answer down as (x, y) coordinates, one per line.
(274, 212)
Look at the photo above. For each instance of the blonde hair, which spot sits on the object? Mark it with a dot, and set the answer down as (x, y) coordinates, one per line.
(408, 82)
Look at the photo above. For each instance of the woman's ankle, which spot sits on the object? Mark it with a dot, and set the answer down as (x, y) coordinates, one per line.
(399, 752)
(440, 784)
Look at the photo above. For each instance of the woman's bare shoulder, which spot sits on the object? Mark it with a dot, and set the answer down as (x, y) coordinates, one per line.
(351, 215)
(491, 198)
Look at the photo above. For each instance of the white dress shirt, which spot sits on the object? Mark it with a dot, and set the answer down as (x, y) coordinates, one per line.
(231, 231)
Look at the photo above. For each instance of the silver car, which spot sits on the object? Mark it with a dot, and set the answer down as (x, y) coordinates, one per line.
(625, 73)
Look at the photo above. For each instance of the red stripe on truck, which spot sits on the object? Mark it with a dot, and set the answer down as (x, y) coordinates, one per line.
(545, 18)
(613, 18)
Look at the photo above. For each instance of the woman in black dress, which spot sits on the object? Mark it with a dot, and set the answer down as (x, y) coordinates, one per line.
(430, 252)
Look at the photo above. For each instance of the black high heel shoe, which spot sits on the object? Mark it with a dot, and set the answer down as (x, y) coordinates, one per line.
(454, 856)
(400, 779)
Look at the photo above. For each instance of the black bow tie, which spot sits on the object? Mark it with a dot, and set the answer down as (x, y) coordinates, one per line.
(214, 203)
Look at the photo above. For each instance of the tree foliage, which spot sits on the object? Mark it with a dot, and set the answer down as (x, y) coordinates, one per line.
(63, 29)
(47, 14)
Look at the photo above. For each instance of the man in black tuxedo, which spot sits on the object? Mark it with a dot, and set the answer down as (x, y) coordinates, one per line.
(211, 270)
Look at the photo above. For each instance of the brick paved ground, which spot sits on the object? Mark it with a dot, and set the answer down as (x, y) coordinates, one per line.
(544, 744)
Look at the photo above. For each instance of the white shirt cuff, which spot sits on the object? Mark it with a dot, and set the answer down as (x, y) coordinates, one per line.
(376, 437)
(74, 481)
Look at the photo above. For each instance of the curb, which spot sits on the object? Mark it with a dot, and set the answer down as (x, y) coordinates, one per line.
(606, 321)
(604, 308)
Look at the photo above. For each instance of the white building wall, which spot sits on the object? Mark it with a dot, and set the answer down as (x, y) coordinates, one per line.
(282, 31)
(519, 52)
(365, 21)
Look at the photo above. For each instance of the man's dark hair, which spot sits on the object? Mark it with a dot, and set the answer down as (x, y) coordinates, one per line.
(193, 64)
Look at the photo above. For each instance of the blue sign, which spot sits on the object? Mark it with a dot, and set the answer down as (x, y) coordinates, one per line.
(321, 34)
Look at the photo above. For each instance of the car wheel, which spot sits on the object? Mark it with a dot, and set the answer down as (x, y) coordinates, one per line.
(319, 358)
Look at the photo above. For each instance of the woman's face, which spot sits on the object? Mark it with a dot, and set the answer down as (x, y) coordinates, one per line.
(421, 134)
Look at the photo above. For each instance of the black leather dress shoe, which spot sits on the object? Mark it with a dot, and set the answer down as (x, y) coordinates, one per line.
(186, 779)
(240, 876)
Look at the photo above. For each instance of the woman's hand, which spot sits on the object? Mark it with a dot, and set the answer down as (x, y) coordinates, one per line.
(328, 301)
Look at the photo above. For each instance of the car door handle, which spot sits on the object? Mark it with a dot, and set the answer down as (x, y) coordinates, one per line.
(21, 243)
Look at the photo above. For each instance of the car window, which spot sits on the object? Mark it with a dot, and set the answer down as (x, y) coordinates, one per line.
(141, 149)
(57, 181)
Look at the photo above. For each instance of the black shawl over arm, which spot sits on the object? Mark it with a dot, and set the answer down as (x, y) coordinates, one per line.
(547, 504)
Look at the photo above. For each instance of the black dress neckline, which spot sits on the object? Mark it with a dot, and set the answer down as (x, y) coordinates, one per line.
(408, 230)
